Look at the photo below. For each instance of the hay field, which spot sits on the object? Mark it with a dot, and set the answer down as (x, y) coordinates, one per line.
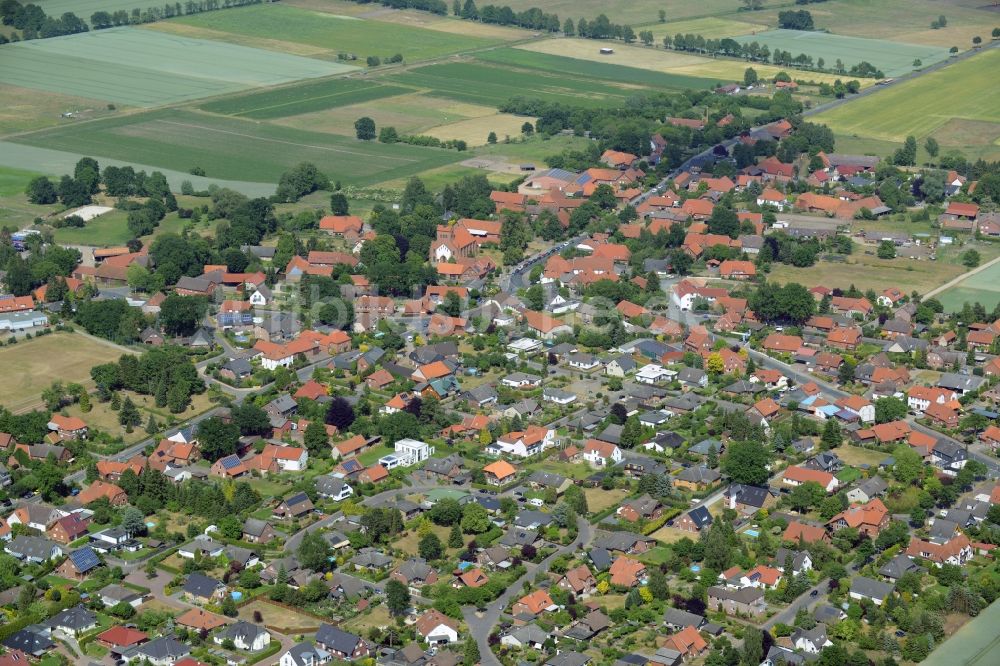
(898, 21)
(636, 13)
(31, 366)
(474, 131)
(146, 68)
(231, 148)
(409, 114)
(627, 56)
(25, 109)
(893, 58)
(709, 27)
(664, 67)
(869, 272)
(966, 90)
(302, 98)
(335, 33)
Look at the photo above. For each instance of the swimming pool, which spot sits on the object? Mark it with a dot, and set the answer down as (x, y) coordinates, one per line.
(752, 532)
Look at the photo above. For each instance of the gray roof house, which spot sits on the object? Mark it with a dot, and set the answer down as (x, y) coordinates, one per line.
(898, 566)
(33, 640)
(73, 621)
(867, 588)
(340, 643)
(245, 636)
(163, 651)
(33, 549)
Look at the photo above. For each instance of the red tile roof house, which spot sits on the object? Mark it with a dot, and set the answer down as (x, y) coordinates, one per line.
(944, 415)
(737, 270)
(869, 519)
(991, 436)
(796, 476)
(342, 226)
(844, 338)
(533, 604)
(68, 427)
(787, 344)
(797, 532)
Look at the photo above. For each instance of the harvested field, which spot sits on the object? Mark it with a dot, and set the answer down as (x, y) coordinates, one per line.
(146, 68)
(25, 109)
(625, 56)
(474, 131)
(709, 27)
(32, 365)
(409, 114)
(910, 21)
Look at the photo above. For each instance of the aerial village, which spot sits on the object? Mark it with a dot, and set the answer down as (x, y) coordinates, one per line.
(582, 427)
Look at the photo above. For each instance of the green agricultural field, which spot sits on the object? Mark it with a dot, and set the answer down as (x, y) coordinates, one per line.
(337, 34)
(302, 98)
(84, 8)
(574, 67)
(928, 106)
(146, 68)
(984, 287)
(480, 83)
(893, 58)
(13, 181)
(238, 149)
(897, 21)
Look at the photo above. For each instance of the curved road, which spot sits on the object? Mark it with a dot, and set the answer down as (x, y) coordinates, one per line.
(481, 624)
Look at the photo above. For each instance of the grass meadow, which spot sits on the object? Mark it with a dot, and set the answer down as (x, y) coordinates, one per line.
(983, 287)
(335, 33)
(893, 58)
(231, 148)
(639, 12)
(958, 105)
(32, 365)
(482, 83)
(302, 98)
(145, 68)
(13, 181)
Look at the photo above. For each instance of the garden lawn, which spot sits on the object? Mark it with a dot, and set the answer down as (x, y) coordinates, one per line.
(599, 499)
(335, 33)
(855, 456)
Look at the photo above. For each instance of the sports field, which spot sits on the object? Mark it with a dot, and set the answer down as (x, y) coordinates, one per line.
(893, 58)
(31, 365)
(302, 98)
(335, 33)
(147, 68)
(924, 106)
(239, 149)
(483, 83)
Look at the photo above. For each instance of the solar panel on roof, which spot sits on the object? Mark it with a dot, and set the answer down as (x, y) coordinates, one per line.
(84, 559)
(229, 462)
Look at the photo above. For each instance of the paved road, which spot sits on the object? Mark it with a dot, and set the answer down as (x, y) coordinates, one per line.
(482, 624)
(975, 452)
